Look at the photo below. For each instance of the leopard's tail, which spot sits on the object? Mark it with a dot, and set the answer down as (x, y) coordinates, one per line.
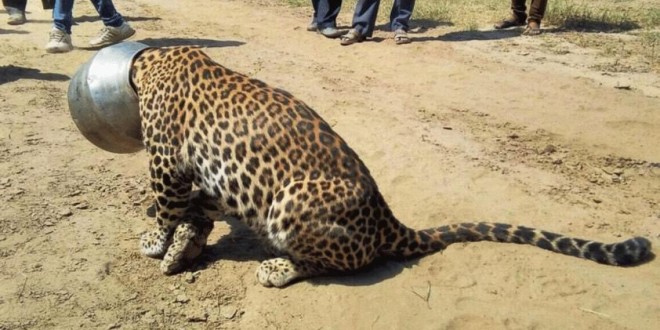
(421, 242)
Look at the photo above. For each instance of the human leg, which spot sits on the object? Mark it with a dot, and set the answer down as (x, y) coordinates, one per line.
(314, 25)
(327, 13)
(400, 15)
(108, 13)
(536, 12)
(63, 15)
(59, 38)
(116, 29)
(15, 4)
(518, 15)
(16, 11)
(327, 18)
(364, 21)
(399, 20)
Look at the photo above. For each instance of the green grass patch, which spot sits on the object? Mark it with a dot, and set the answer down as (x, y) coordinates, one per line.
(582, 17)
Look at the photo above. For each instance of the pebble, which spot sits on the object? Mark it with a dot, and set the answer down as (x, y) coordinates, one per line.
(228, 312)
(197, 317)
(81, 206)
(191, 277)
(182, 299)
(74, 193)
(65, 213)
(149, 317)
(549, 149)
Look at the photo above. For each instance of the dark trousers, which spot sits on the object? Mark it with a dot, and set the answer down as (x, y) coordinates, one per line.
(364, 19)
(14, 4)
(325, 12)
(536, 10)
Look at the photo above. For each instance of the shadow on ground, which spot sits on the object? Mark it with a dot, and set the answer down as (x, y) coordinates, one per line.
(472, 35)
(89, 18)
(11, 73)
(418, 25)
(241, 244)
(169, 42)
(3, 31)
(587, 24)
(422, 25)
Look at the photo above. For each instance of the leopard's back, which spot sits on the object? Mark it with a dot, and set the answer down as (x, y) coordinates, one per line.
(235, 137)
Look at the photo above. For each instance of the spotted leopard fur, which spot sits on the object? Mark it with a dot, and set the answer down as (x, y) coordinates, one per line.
(261, 154)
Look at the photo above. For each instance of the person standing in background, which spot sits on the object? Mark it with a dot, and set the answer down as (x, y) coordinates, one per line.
(519, 16)
(364, 21)
(115, 27)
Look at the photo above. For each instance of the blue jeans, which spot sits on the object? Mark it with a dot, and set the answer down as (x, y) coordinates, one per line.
(13, 5)
(325, 12)
(364, 19)
(63, 14)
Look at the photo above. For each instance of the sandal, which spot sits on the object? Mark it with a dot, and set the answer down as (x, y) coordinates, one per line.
(510, 22)
(351, 37)
(401, 37)
(533, 29)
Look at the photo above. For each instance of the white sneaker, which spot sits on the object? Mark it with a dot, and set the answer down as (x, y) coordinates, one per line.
(111, 35)
(59, 42)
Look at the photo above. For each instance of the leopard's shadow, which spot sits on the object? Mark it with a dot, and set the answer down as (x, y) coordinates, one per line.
(241, 244)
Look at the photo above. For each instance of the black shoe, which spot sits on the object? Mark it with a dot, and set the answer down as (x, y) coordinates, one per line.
(510, 22)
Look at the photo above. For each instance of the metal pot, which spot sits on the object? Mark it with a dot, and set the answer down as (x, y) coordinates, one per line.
(102, 101)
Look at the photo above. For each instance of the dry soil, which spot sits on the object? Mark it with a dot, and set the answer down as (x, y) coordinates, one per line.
(457, 126)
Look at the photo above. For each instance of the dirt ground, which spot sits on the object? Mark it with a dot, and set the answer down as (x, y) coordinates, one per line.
(458, 126)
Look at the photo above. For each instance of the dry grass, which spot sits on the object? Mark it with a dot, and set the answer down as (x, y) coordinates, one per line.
(639, 20)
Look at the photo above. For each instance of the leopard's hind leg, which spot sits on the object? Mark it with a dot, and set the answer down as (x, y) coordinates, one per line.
(279, 272)
(321, 227)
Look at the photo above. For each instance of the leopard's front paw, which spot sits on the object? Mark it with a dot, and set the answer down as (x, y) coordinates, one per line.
(154, 243)
(187, 244)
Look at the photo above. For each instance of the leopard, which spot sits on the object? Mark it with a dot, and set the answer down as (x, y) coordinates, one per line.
(221, 142)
